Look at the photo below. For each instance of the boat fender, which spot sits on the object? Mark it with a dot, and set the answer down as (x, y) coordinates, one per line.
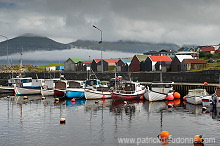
(45, 86)
(62, 120)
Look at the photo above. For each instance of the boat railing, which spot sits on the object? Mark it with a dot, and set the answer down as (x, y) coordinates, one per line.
(124, 92)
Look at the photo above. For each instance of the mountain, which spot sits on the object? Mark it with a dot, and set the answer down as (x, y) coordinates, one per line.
(31, 42)
(124, 46)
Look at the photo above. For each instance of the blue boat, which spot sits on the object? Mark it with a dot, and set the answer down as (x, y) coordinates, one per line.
(75, 90)
(75, 93)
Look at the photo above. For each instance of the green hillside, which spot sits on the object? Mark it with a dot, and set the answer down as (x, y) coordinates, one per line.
(124, 46)
(30, 43)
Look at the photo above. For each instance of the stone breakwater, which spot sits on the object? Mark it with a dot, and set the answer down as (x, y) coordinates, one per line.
(184, 77)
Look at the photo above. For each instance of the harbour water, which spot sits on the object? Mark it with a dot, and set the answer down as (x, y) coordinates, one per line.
(104, 123)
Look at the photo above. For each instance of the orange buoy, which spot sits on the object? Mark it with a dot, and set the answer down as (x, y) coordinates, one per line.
(205, 83)
(104, 96)
(142, 97)
(57, 99)
(198, 139)
(25, 97)
(164, 134)
(184, 98)
(73, 100)
(170, 97)
(62, 120)
(176, 95)
(177, 102)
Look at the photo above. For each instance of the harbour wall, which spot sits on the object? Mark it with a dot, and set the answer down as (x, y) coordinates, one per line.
(184, 77)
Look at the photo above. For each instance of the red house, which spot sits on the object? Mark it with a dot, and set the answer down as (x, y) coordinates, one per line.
(137, 63)
(208, 49)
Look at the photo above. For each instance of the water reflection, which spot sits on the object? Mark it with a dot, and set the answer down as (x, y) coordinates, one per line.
(99, 122)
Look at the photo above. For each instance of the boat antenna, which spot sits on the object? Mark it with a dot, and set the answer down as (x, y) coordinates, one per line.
(21, 61)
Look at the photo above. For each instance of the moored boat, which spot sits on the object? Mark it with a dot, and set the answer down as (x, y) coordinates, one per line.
(75, 90)
(195, 96)
(130, 91)
(212, 100)
(60, 88)
(158, 91)
(27, 86)
(95, 90)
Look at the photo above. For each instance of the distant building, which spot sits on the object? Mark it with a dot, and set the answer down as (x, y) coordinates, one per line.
(195, 55)
(165, 66)
(59, 67)
(137, 63)
(94, 64)
(176, 63)
(107, 65)
(82, 65)
(123, 65)
(71, 64)
(170, 53)
(189, 64)
(51, 68)
(151, 61)
(207, 49)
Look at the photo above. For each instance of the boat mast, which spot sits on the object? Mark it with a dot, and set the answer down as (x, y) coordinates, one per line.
(21, 62)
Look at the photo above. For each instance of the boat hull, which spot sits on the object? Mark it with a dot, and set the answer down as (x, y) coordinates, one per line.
(207, 101)
(155, 96)
(194, 99)
(46, 92)
(94, 94)
(118, 96)
(27, 90)
(75, 93)
(59, 93)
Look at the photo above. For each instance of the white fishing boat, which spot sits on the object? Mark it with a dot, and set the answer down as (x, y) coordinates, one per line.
(212, 100)
(48, 86)
(195, 96)
(158, 91)
(75, 90)
(27, 86)
(95, 90)
(130, 91)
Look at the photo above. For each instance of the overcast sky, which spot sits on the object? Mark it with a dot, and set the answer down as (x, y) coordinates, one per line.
(170, 21)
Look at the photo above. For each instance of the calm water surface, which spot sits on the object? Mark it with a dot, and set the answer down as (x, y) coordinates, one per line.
(37, 122)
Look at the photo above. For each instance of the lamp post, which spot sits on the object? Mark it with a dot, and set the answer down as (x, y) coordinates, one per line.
(7, 46)
(101, 48)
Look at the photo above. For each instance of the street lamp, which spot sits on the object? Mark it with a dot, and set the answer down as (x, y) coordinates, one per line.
(7, 45)
(100, 43)
(100, 31)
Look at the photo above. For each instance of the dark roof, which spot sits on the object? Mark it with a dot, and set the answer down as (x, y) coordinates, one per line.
(208, 49)
(195, 61)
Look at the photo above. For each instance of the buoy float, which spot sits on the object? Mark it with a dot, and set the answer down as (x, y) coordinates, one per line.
(25, 97)
(142, 97)
(176, 95)
(164, 135)
(205, 83)
(57, 99)
(176, 102)
(204, 108)
(103, 96)
(198, 139)
(184, 98)
(62, 120)
(43, 98)
(73, 100)
(170, 97)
